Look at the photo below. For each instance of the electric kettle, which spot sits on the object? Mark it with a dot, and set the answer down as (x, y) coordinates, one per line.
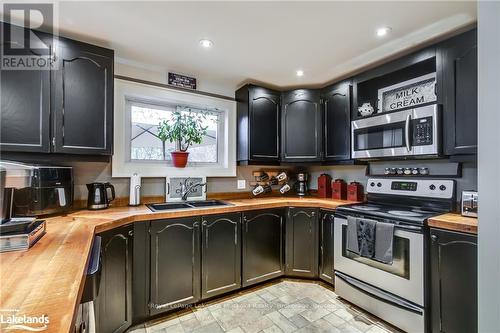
(98, 195)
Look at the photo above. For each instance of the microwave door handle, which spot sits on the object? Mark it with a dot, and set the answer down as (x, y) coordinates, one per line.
(407, 132)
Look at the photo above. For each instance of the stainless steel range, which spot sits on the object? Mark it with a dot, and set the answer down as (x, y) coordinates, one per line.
(395, 290)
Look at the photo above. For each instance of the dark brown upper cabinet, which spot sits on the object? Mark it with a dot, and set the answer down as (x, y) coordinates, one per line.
(25, 103)
(67, 109)
(301, 126)
(83, 99)
(258, 112)
(337, 121)
(458, 63)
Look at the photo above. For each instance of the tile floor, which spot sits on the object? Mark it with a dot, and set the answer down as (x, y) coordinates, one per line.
(285, 306)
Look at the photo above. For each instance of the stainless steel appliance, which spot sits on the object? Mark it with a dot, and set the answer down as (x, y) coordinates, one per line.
(301, 185)
(394, 292)
(37, 189)
(98, 195)
(412, 132)
(469, 203)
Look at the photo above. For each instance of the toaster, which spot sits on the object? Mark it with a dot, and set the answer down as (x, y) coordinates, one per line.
(469, 203)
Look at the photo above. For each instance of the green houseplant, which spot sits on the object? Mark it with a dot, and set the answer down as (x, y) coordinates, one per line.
(184, 128)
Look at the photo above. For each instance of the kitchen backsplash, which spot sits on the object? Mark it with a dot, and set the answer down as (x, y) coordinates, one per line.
(88, 172)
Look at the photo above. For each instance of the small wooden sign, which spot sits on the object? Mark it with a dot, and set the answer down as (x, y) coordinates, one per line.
(182, 81)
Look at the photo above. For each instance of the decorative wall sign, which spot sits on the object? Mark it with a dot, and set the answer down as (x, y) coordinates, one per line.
(411, 93)
(181, 81)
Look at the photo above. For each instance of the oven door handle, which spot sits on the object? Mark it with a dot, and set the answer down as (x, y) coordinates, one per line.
(380, 294)
(407, 132)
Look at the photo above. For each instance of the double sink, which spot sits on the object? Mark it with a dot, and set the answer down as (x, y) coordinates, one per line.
(159, 207)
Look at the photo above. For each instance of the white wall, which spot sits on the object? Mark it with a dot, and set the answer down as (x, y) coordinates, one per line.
(489, 166)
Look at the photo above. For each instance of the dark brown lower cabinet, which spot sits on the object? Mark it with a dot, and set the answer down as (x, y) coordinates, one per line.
(113, 305)
(453, 259)
(302, 242)
(174, 263)
(326, 246)
(263, 245)
(220, 254)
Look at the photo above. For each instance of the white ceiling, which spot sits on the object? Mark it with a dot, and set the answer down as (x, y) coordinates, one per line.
(261, 41)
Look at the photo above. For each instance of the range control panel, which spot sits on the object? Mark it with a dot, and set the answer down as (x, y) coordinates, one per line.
(422, 131)
(431, 188)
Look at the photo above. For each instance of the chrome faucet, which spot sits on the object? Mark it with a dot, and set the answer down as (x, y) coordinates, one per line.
(186, 189)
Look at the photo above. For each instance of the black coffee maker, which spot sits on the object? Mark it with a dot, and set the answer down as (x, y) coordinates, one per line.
(301, 184)
(98, 195)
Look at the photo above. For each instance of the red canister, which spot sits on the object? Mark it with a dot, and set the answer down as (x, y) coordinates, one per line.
(339, 189)
(355, 192)
(324, 186)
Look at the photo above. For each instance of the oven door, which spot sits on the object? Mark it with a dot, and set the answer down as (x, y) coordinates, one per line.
(404, 133)
(404, 277)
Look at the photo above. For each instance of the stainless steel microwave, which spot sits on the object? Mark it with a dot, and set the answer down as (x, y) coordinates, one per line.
(413, 132)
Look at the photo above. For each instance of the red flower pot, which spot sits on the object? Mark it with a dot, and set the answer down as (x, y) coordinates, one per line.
(179, 158)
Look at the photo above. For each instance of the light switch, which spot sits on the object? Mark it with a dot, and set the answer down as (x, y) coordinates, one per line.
(242, 184)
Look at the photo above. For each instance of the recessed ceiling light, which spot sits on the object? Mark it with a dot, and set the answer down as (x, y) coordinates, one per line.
(299, 73)
(206, 43)
(381, 32)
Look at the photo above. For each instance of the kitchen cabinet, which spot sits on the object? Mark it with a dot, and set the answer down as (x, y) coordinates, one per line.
(326, 246)
(83, 99)
(25, 102)
(258, 113)
(51, 111)
(114, 300)
(453, 295)
(220, 254)
(174, 263)
(301, 126)
(302, 242)
(263, 245)
(458, 77)
(337, 122)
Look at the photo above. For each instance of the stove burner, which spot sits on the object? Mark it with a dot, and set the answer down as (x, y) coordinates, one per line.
(404, 213)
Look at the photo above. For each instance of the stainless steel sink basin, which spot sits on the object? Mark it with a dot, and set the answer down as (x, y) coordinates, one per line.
(159, 207)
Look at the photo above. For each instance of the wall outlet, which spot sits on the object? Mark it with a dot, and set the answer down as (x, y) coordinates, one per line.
(242, 184)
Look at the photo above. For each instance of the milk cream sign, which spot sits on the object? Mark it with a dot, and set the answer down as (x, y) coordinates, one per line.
(408, 94)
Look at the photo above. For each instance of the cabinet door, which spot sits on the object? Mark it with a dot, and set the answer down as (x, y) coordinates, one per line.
(301, 126)
(458, 58)
(114, 301)
(453, 282)
(221, 254)
(302, 242)
(337, 122)
(83, 100)
(264, 124)
(326, 246)
(25, 102)
(175, 263)
(263, 244)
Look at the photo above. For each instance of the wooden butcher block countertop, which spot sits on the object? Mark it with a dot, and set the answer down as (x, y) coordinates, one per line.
(454, 222)
(48, 279)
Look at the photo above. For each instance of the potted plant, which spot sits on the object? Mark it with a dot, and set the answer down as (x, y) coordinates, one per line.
(183, 128)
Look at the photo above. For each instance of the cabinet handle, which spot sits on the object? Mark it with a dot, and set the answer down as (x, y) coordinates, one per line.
(204, 223)
(434, 238)
(131, 233)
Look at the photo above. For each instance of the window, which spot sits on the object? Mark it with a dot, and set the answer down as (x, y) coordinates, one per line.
(146, 145)
(139, 109)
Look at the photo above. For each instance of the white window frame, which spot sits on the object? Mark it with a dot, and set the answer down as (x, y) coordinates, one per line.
(124, 166)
